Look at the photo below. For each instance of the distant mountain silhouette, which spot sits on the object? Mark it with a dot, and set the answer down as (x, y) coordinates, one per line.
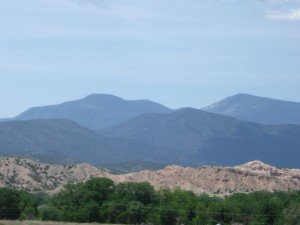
(133, 166)
(187, 136)
(4, 119)
(95, 111)
(214, 139)
(64, 141)
(258, 109)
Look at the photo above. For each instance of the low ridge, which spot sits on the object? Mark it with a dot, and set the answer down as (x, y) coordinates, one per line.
(254, 176)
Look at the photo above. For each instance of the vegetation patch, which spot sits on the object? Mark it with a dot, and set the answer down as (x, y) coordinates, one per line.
(100, 200)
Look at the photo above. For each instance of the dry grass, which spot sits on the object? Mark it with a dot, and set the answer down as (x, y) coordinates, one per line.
(29, 222)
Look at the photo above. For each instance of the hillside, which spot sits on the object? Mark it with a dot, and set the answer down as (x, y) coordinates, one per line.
(254, 176)
(258, 109)
(208, 138)
(249, 177)
(3, 120)
(64, 141)
(185, 137)
(95, 111)
(30, 175)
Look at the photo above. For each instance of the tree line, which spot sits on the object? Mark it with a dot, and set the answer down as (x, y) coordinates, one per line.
(101, 200)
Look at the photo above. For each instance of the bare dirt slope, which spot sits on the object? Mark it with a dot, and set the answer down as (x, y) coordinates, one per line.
(35, 176)
(253, 176)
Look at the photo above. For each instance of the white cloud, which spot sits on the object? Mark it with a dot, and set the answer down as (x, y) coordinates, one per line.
(290, 15)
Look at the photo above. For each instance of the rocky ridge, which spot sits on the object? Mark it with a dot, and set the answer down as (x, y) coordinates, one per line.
(30, 175)
(221, 180)
(253, 176)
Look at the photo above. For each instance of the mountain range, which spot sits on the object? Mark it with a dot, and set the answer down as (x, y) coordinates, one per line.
(185, 137)
(207, 138)
(64, 141)
(101, 129)
(95, 111)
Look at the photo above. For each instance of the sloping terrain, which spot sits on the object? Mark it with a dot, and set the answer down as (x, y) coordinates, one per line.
(3, 120)
(208, 138)
(64, 141)
(30, 175)
(254, 176)
(258, 109)
(95, 111)
(185, 137)
(249, 177)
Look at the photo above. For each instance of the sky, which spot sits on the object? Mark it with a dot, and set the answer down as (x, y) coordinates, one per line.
(176, 52)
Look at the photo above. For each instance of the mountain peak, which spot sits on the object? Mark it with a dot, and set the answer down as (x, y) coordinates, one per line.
(259, 167)
(96, 96)
(95, 111)
(257, 109)
(255, 164)
(241, 95)
(250, 97)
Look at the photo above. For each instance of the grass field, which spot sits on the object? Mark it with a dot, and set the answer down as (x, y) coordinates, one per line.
(29, 222)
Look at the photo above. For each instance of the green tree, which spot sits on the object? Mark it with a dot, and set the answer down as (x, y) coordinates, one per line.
(113, 212)
(141, 192)
(184, 202)
(28, 206)
(136, 213)
(273, 210)
(241, 208)
(202, 216)
(49, 213)
(168, 216)
(292, 214)
(9, 204)
(92, 211)
(70, 202)
(41, 198)
(99, 189)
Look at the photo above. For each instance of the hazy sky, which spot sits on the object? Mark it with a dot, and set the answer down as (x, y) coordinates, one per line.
(176, 52)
